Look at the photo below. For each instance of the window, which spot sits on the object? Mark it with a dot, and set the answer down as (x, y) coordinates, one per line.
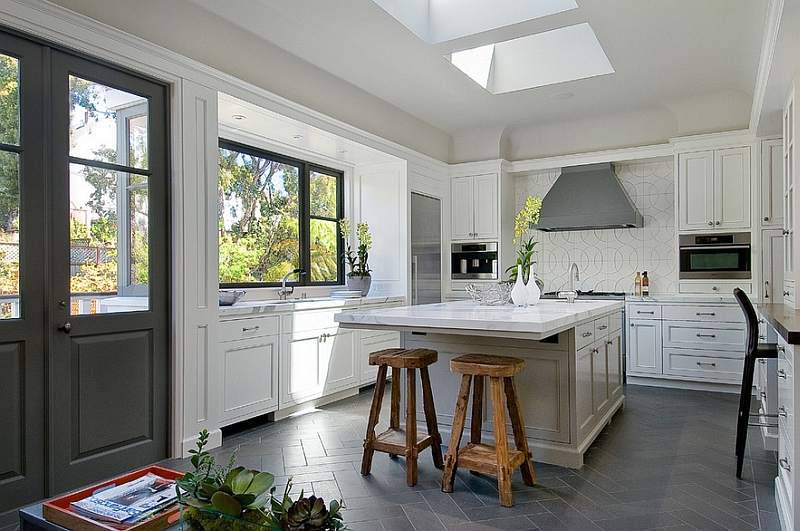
(277, 214)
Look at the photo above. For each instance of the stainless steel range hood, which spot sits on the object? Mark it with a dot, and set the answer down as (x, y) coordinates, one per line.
(588, 197)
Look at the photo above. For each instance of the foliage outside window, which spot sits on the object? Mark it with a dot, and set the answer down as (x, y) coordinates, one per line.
(276, 214)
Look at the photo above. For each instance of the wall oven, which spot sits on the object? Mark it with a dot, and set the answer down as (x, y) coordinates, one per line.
(473, 261)
(714, 256)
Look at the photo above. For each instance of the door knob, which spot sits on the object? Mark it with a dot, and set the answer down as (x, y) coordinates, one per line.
(66, 327)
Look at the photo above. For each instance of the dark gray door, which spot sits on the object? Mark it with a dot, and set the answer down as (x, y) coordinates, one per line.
(98, 339)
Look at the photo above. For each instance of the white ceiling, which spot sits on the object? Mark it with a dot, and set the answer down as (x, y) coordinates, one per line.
(681, 67)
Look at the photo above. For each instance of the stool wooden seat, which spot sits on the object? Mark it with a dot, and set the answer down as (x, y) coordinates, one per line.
(497, 460)
(397, 440)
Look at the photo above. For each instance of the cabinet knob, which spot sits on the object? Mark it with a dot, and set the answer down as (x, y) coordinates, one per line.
(766, 218)
(714, 288)
(785, 464)
(782, 374)
(785, 293)
(717, 223)
(782, 412)
(710, 223)
(785, 232)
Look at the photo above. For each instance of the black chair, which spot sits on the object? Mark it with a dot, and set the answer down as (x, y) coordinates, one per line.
(753, 351)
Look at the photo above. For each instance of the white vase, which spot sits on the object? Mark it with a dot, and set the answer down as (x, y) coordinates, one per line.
(519, 294)
(533, 289)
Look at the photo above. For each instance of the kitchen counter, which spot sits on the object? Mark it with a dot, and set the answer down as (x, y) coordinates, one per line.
(572, 382)
(255, 307)
(545, 319)
(785, 321)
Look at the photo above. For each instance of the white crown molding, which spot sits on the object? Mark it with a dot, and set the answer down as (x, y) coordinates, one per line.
(772, 25)
(641, 153)
(713, 140)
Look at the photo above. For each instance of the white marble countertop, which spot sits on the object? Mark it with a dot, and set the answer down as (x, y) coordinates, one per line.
(258, 307)
(696, 299)
(547, 318)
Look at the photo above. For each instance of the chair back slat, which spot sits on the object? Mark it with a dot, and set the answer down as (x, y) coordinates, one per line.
(750, 318)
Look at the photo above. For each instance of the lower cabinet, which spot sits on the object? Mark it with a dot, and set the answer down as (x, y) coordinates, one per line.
(787, 449)
(248, 364)
(371, 341)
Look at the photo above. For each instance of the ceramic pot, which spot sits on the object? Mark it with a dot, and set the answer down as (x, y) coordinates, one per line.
(362, 284)
(534, 293)
(519, 295)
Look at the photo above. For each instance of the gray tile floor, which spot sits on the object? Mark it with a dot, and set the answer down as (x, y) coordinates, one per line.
(664, 463)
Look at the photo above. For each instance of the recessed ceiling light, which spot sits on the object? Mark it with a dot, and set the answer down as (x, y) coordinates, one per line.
(562, 95)
(297, 137)
(239, 117)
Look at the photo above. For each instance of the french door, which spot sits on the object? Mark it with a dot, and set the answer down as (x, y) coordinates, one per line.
(84, 288)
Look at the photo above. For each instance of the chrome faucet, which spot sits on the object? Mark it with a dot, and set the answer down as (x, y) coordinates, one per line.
(284, 291)
(571, 295)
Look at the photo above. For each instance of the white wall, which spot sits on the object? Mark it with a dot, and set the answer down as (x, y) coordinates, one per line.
(609, 259)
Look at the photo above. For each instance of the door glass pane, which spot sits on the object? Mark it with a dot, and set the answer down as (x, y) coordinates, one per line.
(107, 124)
(9, 236)
(323, 250)
(108, 244)
(259, 218)
(9, 100)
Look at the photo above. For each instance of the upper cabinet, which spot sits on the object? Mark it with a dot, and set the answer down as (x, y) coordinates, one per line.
(771, 214)
(474, 207)
(789, 199)
(714, 190)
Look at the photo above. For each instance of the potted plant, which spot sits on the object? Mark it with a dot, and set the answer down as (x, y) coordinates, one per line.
(226, 498)
(359, 278)
(526, 219)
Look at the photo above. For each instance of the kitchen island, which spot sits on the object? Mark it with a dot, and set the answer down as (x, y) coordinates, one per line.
(572, 382)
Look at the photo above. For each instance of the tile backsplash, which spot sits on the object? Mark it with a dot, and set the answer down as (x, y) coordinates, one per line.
(608, 259)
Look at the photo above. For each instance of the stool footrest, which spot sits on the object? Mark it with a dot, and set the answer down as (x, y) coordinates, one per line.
(483, 458)
(393, 441)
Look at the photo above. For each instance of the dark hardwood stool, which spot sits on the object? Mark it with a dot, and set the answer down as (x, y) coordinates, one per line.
(396, 440)
(497, 460)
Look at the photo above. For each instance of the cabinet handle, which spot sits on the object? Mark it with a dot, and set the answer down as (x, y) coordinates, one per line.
(586, 334)
(649, 313)
(781, 348)
(707, 335)
(762, 361)
(706, 364)
(714, 288)
(785, 232)
(711, 314)
(716, 223)
(784, 462)
(785, 293)
(609, 342)
(766, 291)
(763, 395)
(762, 337)
(782, 412)
(602, 327)
(249, 328)
(782, 374)
(595, 351)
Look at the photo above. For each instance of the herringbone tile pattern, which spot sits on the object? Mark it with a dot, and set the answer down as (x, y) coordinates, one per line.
(664, 463)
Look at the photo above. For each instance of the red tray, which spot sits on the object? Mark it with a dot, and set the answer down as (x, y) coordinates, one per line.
(59, 511)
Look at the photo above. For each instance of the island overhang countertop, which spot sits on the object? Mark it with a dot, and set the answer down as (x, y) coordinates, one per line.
(546, 318)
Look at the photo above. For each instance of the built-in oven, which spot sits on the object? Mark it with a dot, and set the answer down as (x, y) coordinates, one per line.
(473, 261)
(715, 256)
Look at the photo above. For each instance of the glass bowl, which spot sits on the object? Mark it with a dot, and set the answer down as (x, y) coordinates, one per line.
(490, 294)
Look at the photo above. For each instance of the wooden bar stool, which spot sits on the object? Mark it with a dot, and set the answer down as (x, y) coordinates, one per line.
(496, 460)
(396, 440)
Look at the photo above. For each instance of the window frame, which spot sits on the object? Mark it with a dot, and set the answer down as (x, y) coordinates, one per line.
(304, 214)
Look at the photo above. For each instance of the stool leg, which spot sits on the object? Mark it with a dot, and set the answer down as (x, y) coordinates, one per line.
(412, 452)
(430, 418)
(476, 425)
(744, 411)
(501, 443)
(459, 418)
(374, 415)
(518, 425)
(394, 410)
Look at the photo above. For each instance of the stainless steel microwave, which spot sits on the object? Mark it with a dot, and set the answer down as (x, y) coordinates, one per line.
(473, 261)
(715, 256)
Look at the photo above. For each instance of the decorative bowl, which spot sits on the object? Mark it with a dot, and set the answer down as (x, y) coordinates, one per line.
(490, 294)
(229, 297)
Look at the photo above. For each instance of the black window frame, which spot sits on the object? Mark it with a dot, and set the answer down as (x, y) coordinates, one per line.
(304, 186)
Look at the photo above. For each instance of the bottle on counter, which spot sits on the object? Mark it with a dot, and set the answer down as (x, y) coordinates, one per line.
(645, 285)
(637, 285)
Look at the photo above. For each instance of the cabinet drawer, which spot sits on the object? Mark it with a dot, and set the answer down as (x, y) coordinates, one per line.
(644, 311)
(614, 322)
(785, 480)
(710, 313)
(231, 330)
(601, 327)
(714, 288)
(786, 405)
(680, 362)
(584, 334)
(685, 334)
(305, 321)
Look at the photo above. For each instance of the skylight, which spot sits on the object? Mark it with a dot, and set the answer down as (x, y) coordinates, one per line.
(555, 56)
(436, 21)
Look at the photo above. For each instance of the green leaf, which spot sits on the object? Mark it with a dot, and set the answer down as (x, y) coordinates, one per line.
(261, 483)
(227, 504)
(241, 482)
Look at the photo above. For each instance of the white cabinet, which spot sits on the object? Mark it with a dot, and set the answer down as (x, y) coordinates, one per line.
(248, 365)
(714, 189)
(644, 339)
(787, 449)
(771, 266)
(372, 341)
(771, 214)
(474, 207)
(789, 169)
